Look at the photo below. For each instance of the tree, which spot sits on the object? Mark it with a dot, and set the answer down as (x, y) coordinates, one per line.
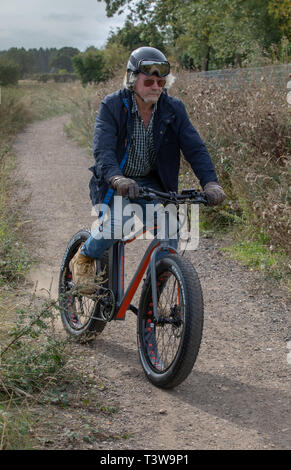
(281, 11)
(132, 36)
(210, 33)
(24, 59)
(215, 33)
(222, 32)
(62, 59)
(91, 66)
(9, 72)
(116, 57)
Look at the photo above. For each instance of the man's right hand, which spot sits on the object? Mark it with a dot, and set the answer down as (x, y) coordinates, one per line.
(125, 186)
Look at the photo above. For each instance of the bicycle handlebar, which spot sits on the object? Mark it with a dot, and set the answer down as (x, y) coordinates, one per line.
(187, 195)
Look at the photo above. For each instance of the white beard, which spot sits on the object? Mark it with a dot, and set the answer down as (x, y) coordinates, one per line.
(151, 99)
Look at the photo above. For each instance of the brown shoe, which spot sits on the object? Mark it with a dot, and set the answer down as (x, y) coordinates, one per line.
(83, 271)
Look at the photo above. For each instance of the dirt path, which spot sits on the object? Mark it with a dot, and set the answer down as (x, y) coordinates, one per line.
(237, 395)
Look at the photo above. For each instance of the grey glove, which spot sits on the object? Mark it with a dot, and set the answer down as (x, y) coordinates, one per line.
(214, 193)
(125, 186)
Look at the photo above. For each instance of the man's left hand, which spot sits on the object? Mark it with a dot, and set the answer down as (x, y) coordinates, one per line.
(214, 193)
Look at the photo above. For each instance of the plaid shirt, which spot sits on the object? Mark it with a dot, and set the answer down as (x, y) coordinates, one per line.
(141, 156)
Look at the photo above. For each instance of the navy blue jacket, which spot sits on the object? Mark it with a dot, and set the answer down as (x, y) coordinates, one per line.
(173, 132)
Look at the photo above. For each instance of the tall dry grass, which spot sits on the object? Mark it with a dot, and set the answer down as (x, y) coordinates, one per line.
(84, 103)
(246, 126)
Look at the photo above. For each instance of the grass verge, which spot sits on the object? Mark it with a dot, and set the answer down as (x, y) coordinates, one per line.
(39, 376)
(30, 353)
(256, 252)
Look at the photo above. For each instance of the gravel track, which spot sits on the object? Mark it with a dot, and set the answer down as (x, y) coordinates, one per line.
(237, 396)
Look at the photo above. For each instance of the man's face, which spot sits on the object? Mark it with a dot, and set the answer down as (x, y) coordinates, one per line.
(150, 94)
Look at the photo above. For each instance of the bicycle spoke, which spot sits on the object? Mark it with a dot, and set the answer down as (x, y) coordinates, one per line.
(79, 307)
(167, 334)
(80, 313)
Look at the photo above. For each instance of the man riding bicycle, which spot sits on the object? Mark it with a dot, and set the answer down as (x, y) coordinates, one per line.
(139, 133)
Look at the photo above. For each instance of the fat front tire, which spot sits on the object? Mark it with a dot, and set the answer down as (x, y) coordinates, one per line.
(80, 314)
(168, 349)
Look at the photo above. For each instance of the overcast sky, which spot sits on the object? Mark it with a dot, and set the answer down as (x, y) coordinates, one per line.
(55, 23)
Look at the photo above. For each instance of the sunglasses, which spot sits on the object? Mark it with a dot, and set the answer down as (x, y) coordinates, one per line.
(150, 81)
(149, 67)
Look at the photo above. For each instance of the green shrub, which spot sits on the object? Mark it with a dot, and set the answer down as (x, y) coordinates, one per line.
(91, 66)
(32, 362)
(34, 353)
(9, 73)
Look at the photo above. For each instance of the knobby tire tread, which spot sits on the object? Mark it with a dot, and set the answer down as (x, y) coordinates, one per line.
(93, 325)
(188, 350)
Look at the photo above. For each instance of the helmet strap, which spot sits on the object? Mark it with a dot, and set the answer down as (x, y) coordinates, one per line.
(139, 95)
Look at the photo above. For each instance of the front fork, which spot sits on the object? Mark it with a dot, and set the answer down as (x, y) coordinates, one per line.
(163, 247)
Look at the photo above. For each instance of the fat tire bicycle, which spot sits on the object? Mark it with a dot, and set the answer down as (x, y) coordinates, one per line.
(170, 311)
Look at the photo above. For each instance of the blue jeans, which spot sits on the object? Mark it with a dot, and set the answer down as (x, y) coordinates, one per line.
(100, 240)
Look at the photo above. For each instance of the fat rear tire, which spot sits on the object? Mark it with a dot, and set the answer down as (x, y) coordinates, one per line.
(93, 323)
